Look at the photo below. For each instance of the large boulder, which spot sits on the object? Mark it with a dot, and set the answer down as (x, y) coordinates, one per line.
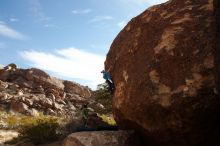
(74, 88)
(18, 107)
(34, 74)
(165, 65)
(101, 138)
(42, 78)
(4, 74)
(3, 85)
(6, 71)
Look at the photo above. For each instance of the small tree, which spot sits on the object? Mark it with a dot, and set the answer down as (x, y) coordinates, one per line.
(102, 92)
(102, 95)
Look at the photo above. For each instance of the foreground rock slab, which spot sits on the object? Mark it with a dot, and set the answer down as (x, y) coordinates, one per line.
(101, 138)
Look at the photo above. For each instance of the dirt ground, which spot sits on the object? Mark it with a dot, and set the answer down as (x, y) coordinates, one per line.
(6, 135)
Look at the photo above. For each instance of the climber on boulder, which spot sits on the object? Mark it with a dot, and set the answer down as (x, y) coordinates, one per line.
(109, 81)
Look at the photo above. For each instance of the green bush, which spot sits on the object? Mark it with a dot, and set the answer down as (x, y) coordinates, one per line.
(16, 121)
(12, 122)
(38, 130)
(102, 92)
(104, 97)
(42, 131)
(109, 120)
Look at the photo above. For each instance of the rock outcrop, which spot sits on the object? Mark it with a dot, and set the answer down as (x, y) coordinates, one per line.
(29, 91)
(165, 66)
(101, 138)
(74, 88)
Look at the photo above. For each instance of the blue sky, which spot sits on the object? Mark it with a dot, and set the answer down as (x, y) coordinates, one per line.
(68, 39)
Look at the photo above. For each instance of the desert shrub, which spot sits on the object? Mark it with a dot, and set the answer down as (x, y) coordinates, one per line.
(102, 92)
(108, 120)
(41, 131)
(15, 121)
(104, 97)
(12, 122)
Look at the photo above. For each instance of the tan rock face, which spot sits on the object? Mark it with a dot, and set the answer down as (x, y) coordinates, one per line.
(166, 72)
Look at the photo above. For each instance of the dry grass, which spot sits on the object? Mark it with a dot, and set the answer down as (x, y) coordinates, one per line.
(108, 119)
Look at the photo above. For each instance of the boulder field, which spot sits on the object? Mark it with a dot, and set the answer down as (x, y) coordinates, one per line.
(30, 91)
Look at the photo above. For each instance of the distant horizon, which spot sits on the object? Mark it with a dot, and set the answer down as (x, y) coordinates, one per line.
(68, 40)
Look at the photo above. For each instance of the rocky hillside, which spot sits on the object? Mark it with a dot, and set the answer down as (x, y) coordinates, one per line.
(30, 91)
(165, 66)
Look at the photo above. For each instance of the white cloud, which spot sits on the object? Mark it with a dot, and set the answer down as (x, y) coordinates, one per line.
(85, 11)
(37, 12)
(101, 18)
(14, 19)
(137, 6)
(1, 66)
(122, 24)
(153, 2)
(140, 2)
(50, 26)
(69, 63)
(6, 31)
